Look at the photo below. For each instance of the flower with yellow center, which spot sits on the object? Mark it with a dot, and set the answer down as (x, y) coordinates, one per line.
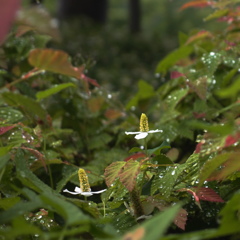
(144, 129)
(84, 185)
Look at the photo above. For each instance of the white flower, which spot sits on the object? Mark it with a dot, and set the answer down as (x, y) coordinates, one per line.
(78, 190)
(141, 135)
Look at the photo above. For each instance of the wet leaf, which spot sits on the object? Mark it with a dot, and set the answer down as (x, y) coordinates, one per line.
(53, 90)
(112, 172)
(129, 174)
(181, 219)
(54, 61)
(211, 165)
(6, 129)
(172, 58)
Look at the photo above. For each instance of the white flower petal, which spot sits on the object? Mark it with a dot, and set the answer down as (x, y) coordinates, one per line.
(87, 194)
(141, 135)
(78, 190)
(74, 193)
(99, 191)
(154, 131)
(127, 133)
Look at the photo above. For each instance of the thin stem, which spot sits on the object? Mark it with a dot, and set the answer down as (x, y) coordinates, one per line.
(48, 165)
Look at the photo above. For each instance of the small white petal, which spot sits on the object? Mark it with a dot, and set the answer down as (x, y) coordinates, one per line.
(99, 191)
(141, 135)
(153, 131)
(78, 190)
(87, 194)
(74, 193)
(127, 133)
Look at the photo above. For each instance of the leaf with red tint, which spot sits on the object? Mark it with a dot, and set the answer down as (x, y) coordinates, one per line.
(176, 74)
(199, 86)
(129, 174)
(95, 103)
(57, 61)
(198, 147)
(197, 200)
(200, 35)
(231, 139)
(113, 114)
(181, 219)
(229, 167)
(196, 4)
(112, 172)
(38, 155)
(208, 194)
(6, 129)
(137, 234)
(8, 11)
(199, 115)
(90, 80)
(135, 156)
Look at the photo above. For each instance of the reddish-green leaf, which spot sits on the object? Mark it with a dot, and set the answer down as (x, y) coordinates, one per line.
(112, 172)
(230, 166)
(54, 61)
(200, 35)
(129, 174)
(6, 129)
(208, 194)
(181, 219)
(212, 164)
(196, 4)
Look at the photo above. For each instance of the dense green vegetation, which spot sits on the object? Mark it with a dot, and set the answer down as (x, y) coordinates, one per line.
(161, 154)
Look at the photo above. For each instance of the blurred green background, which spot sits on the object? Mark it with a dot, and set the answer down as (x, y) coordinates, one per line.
(118, 59)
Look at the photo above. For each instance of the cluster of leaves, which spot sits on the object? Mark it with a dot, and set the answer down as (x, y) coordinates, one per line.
(55, 119)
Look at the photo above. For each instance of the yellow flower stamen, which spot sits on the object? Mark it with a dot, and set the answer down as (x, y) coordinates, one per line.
(144, 123)
(83, 179)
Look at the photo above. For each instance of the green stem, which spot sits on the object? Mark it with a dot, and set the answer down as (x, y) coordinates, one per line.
(136, 202)
(47, 162)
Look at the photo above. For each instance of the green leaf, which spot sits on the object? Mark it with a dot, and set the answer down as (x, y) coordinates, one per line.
(222, 129)
(129, 174)
(165, 184)
(6, 203)
(54, 61)
(4, 151)
(158, 150)
(135, 149)
(112, 171)
(212, 164)
(53, 90)
(173, 57)
(68, 174)
(145, 91)
(10, 115)
(230, 219)
(217, 14)
(155, 228)
(20, 227)
(32, 107)
(231, 91)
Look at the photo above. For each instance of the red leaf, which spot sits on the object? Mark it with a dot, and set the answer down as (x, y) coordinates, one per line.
(135, 156)
(8, 11)
(6, 129)
(181, 219)
(129, 174)
(112, 172)
(208, 194)
(196, 4)
(231, 139)
(200, 35)
(175, 74)
(57, 61)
